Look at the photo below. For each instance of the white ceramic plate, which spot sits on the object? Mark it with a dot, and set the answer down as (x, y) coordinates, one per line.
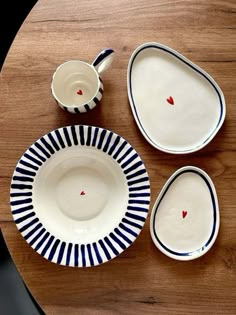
(177, 106)
(80, 195)
(185, 218)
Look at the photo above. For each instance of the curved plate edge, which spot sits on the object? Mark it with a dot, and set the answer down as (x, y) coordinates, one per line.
(30, 228)
(195, 254)
(194, 66)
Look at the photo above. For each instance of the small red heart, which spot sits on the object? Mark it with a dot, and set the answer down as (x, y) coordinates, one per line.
(184, 213)
(170, 100)
(79, 92)
(82, 193)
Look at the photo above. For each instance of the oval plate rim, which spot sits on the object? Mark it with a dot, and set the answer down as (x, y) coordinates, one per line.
(216, 225)
(196, 68)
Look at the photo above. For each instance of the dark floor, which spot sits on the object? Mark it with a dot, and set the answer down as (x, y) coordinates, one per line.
(12, 15)
(15, 298)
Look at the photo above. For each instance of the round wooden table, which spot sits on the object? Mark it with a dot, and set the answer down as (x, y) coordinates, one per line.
(141, 280)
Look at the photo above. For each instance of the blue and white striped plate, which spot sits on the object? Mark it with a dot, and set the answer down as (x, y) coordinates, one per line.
(80, 195)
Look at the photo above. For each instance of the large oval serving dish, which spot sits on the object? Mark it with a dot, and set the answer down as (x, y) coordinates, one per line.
(80, 195)
(185, 218)
(177, 106)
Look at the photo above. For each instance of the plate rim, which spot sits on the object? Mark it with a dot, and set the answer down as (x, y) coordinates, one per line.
(216, 221)
(135, 218)
(194, 67)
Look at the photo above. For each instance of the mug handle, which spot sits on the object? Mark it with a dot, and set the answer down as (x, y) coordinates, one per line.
(103, 60)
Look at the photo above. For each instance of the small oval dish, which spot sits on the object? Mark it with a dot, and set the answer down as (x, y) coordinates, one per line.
(80, 195)
(185, 218)
(177, 106)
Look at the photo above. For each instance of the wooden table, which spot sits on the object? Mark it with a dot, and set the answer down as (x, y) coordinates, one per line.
(141, 280)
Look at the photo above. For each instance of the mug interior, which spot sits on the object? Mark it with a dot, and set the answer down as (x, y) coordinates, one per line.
(75, 83)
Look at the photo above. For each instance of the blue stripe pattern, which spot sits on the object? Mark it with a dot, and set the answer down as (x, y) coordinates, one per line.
(84, 108)
(24, 210)
(68, 254)
(36, 237)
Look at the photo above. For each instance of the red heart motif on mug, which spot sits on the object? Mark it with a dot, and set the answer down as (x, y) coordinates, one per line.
(170, 100)
(82, 193)
(184, 213)
(79, 92)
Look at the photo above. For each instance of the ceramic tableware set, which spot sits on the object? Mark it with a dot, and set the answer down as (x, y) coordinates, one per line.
(80, 194)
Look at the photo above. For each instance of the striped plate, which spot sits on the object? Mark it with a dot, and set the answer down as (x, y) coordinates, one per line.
(80, 195)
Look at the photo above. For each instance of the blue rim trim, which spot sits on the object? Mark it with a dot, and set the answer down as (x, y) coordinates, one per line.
(25, 212)
(192, 67)
(214, 216)
(102, 55)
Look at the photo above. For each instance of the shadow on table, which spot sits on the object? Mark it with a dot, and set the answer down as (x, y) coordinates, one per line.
(15, 298)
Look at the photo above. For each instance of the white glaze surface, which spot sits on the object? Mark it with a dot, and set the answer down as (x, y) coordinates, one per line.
(187, 193)
(183, 217)
(70, 78)
(154, 75)
(84, 192)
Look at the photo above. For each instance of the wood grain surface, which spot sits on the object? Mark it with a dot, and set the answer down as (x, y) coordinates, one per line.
(141, 280)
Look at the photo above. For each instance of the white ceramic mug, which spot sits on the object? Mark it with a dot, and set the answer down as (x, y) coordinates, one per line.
(76, 85)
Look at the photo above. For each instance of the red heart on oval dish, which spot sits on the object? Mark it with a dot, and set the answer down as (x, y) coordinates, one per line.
(170, 100)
